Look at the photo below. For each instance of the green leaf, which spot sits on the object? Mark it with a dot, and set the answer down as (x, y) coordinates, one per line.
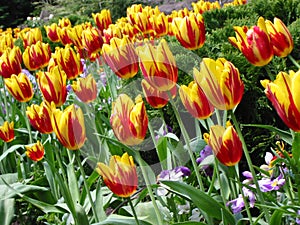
(10, 150)
(81, 215)
(72, 182)
(162, 152)
(120, 220)
(285, 135)
(276, 217)
(295, 149)
(189, 223)
(202, 201)
(7, 211)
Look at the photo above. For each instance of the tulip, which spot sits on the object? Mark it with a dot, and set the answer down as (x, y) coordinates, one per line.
(195, 101)
(283, 92)
(35, 152)
(69, 127)
(189, 31)
(53, 85)
(20, 87)
(10, 62)
(7, 133)
(6, 41)
(281, 37)
(113, 30)
(63, 34)
(226, 144)
(120, 176)
(37, 56)
(31, 36)
(85, 88)
(155, 98)
(254, 43)
(102, 19)
(129, 121)
(39, 117)
(160, 24)
(64, 22)
(75, 34)
(51, 32)
(121, 56)
(158, 65)
(220, 80)
(67, 60)
(92, 40)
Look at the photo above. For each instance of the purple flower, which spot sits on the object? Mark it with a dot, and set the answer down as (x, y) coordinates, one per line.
(298, 219)
(236, 204)
(269, 184)
(174, 174)
(207, 150)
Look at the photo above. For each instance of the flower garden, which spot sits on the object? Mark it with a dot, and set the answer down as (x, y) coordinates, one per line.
(188, 118)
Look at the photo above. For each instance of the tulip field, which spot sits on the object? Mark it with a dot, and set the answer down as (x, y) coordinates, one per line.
(185, 118)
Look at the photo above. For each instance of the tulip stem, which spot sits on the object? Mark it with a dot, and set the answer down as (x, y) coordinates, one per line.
(294, 61)
(27, 122)
(143, 165)
(5, 100)
(187, 142)
(86, 185)
(250, 164)
(133, 211)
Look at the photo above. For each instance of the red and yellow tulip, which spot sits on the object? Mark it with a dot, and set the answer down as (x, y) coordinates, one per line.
(283, 92)
(31, 36)
(195, 101)
(160, 24)
(63, 34)
(85, 88)
(35, 152)
(220, 80)
(281, 37)
(20, 87)
(69, 127)
(68, 60)
(121, 57)
(120, 176)
(129, 121)
(10, 62)
(158, 65)
(7, 133)
(51, 32)
(102, 19)
(6, 41)
(37, 56)
(225, 144)
(156, 98)
(92, 40)
(39, 117)
(189, 31)
(254, 43)
(53, 85)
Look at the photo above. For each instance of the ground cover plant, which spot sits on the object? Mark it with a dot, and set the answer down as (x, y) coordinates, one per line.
(148, 118)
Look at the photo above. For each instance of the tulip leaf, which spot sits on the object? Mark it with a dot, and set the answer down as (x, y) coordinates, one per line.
(276, 217)
(120, 220)
(7, 211)
(162, 152)
(202, 200)
(10, 150)
(189, 223)
(81, 215)
(285, 135)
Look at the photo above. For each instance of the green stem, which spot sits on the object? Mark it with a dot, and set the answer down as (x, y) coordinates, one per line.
(250, 164)
(5, 100)
(294, 61)
(187, 141)
(27, 122)
(219, 179)
(86, 185)
(149, 188)
(213, 179)
(133, 211)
